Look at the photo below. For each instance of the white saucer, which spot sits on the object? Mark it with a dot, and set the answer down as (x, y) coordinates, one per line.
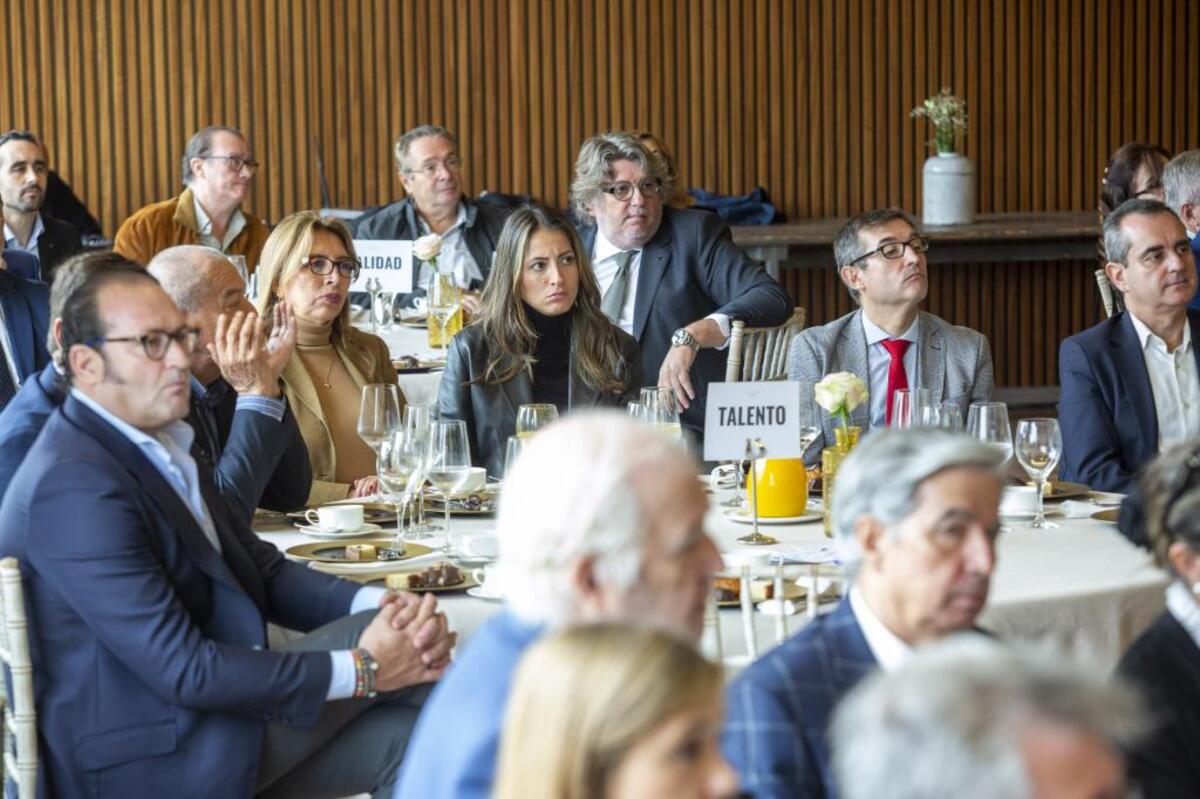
(481, 592)
(320, 532)
(742, 516)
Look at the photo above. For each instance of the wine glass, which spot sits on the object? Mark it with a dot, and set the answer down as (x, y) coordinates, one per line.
(908, 404)
(810, 415)
(636, 411)
(417, 420)
(533, 416)
(449, 461)
(399, 466)
(444, 300)
(1038, 448)
(378, 414)
(945, 416)
(662, 411)
(988, 422)
(512, 451)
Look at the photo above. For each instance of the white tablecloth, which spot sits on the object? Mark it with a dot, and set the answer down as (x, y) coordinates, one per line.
(1082, 587)
(421, 388)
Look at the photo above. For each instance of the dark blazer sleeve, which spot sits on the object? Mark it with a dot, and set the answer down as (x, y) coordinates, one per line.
(737, 283)
(118, 586)
(631, 354)
(1091, 443)
(263, 463)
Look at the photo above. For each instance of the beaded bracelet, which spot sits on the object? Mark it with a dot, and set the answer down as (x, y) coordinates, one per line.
(365, 668)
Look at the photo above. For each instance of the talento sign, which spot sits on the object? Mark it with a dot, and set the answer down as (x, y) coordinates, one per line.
(736, 412)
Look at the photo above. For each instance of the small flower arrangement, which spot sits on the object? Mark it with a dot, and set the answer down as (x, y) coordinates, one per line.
(427, 248)
(948, 114)
(839, 393)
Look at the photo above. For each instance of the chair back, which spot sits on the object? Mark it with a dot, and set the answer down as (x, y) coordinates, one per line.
(20, 715)
(761, 353)
(1106, 293)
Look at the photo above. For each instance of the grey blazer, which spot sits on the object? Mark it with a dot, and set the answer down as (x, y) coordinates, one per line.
(490, 409)
(955, 363)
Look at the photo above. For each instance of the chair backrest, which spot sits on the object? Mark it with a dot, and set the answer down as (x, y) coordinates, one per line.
(20, 715)
(761, 353)
(1106, 292)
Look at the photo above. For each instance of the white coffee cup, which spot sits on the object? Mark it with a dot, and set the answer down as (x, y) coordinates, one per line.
(479, 545)
(340, 518)
(476, 480)
(489, 578)
(1018, 501)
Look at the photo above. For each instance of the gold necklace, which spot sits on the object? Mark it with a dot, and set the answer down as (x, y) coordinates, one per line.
(329, 371)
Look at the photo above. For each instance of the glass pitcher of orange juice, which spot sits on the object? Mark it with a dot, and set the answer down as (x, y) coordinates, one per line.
(781, 485)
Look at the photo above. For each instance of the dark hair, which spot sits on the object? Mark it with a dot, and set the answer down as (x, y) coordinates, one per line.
(79, 310)
(72, 274)
(1117, 184)
(200, 146)
(1116, 243)
(847, 247)
(19, 135)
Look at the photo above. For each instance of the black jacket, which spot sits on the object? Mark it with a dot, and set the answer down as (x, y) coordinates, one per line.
(58, 242)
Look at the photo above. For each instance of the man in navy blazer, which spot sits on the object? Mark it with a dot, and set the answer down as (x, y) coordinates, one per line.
(148, 598)
(918, 510)
(21, 264)
(673, 279)
(1131, 384)
(24, 318)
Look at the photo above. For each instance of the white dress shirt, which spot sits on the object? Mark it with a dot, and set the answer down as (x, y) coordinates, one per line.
(455, 257)
(604, 265)
(1174, 382)
(889, 650)
(879, 360)
(12, 243)
(237, 224)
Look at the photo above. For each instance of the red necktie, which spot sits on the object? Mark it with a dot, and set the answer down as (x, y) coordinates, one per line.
(897, 377)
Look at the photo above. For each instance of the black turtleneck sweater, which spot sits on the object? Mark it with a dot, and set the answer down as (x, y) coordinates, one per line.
(552, 358)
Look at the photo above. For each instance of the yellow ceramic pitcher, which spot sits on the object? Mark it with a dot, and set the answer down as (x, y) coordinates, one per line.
(782, 486)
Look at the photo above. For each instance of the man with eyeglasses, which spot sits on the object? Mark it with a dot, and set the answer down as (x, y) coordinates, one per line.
(430, 169)
(671, 278)
(889, 342)
(916, 513)
(218, 168)
(24, 175)
(150, 599)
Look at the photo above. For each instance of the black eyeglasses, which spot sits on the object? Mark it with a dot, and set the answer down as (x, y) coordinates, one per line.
(622, 191)
(323, 265)
(156, 343)
(234, 162)
(895, 249)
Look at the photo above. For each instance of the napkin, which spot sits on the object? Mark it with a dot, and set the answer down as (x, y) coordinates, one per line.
(1074, 509)
(806, 553)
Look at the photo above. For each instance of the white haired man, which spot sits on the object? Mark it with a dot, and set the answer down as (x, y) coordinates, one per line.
(1181, 186)
(968, 717)
(916, 512)
(600, 519)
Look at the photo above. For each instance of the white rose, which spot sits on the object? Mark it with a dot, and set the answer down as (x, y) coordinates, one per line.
(840, 391)
(427, 248)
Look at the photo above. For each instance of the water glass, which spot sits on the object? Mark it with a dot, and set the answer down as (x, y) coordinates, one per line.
(449, 461)
(417, 419)
(511, 452)
(1038, 448)
(945, 416)
(378, 413)
(810, 415)
(988, 422)
(533, 416)
(400, 466)
(662, 411)
(907, 406)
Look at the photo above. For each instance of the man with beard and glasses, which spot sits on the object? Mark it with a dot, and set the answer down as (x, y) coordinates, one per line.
(916, 513)
(23, 176)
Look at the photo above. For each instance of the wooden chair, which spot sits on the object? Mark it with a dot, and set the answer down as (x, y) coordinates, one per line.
(761, 353)
(1107, 295)
(20, 715)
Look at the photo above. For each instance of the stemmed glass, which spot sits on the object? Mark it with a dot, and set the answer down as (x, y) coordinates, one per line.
(378, 414)
(449, 461)
(533, 416)
(988, 422)
(810, 415)
(444, 300)
(1039, 446)
(399, 466)
(946, 416)
(417, 421)
(661, 410)
(512, 451)
(908, 404)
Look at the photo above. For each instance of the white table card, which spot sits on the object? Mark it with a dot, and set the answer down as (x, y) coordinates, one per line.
(768, 411)
(389, 262)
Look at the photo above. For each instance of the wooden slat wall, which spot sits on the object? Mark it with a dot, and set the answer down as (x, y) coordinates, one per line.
(808, 98)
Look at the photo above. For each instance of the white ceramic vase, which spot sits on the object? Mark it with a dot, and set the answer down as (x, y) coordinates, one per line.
(949, 188)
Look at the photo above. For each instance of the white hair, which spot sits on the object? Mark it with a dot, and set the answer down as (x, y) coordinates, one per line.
(182, 271)
(881, 476)
(951, 722)
(572, 494)
(1181, 180)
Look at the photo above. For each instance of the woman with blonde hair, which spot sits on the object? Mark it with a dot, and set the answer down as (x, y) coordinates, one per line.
(609, 711)
(309, 261)
(539, 337)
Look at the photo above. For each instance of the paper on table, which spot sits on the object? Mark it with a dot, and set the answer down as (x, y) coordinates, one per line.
(807, 553)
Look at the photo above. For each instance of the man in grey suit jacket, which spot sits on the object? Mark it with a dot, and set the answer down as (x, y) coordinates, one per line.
(881, 259)
(672, 279)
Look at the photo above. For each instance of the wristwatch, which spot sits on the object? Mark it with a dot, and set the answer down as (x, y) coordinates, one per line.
(682, 338)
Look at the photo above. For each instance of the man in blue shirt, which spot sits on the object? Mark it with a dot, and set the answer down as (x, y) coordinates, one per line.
(600, 519)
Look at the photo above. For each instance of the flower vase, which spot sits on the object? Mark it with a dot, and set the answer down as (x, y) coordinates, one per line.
(949, 190)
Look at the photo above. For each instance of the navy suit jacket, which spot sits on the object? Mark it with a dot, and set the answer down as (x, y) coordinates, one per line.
(149, 646)
(24, 418)
(1195, 242)
(690, 269)
(22, 264)
(27, 317)
(780, 708)
(1106, 408)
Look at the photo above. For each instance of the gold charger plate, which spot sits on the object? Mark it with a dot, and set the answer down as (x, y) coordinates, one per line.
(474, 503)
(375, 577)
(335, 551)
(373, 512)
(1111, 515)
(758, 593)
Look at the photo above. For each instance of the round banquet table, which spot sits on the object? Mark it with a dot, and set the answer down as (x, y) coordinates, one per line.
(1081, 588)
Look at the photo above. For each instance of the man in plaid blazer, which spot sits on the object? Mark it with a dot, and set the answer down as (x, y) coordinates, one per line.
(916, 512)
